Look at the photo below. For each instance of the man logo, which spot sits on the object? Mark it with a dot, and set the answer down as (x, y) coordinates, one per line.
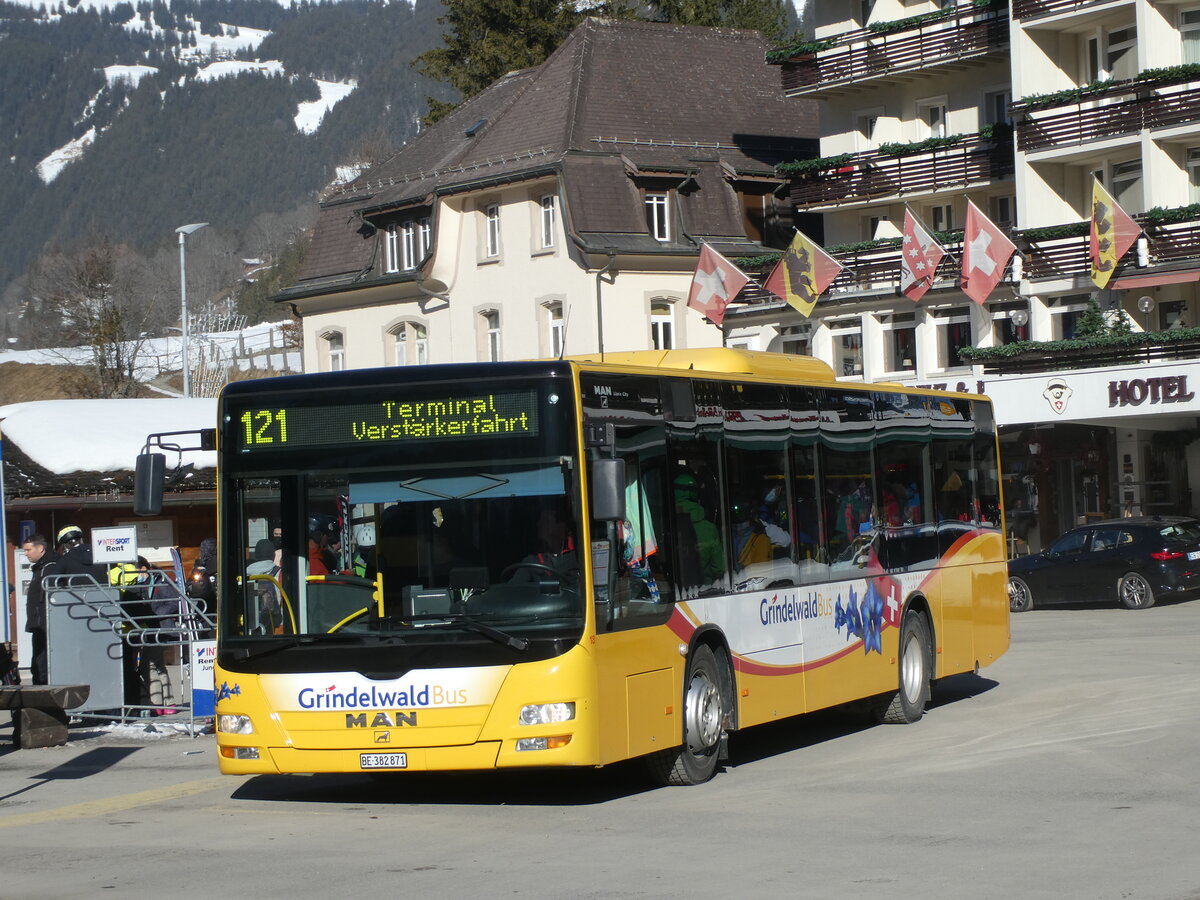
(397, 719)
(383, 737)
(1057, 394)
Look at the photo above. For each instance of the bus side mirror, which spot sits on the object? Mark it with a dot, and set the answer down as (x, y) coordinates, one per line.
(608, 489)
(148, 478)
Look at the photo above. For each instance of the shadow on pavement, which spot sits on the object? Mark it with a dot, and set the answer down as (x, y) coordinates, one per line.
(83, 766)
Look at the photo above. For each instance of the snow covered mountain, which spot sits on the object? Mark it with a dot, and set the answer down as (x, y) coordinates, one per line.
(126, 119)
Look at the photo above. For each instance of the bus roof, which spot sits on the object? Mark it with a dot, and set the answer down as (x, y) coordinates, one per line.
(720, 360)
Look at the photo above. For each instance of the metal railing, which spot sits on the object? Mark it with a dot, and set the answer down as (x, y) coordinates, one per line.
(1034, 9)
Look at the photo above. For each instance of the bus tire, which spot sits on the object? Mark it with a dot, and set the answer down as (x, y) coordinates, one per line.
(907, 705)
(695, 760)
(1020, 597)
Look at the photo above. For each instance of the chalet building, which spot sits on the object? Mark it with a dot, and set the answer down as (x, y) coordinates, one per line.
(929, 104)
(562, 200)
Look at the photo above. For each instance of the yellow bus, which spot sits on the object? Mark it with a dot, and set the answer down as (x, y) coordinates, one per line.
(580, 561)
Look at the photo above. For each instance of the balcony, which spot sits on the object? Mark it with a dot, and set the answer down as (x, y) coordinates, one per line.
(1059, 356)
(874, 174)
(873, 268)
(965, 35)
(1114, 119)
(1036, 9)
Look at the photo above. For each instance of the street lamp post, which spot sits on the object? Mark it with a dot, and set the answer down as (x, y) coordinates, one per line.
(183, 231)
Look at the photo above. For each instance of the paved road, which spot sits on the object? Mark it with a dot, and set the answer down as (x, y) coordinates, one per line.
(1068, 769)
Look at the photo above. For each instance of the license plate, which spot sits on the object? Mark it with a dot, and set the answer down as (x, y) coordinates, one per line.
(1195, 554)
(383, 760)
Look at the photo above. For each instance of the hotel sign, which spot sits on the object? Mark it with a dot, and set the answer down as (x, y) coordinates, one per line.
(1089, 394)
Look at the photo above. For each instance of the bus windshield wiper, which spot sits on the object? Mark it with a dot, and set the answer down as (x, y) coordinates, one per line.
(500, 637)
(309, 640)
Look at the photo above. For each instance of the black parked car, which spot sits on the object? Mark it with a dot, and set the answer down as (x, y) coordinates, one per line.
(1138, 560)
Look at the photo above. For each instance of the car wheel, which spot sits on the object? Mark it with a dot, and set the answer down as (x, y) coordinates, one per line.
(1134, 592)
(1020, 597)
(695, 761)
(908, 704)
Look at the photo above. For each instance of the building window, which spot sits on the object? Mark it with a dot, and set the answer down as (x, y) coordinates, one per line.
(1171, 315)
(1193, 172)
(1127, 185)
(953, 333)
(424, 237)
(1004, 329)
(865, 123)
(491, 239)
(409, 246)
(995, 107)
(658, 215)
(556, 334)
(933, 115)
(490, 322)
(548, 220)
(335, 347)
(1065, 313)
(900, 341)
(411, 344)
(391, 249)
(1004, 210)
(1189, 35)
(796, 339)
(941, 217)
(662, 324)
(847, 347)
(1112, 54)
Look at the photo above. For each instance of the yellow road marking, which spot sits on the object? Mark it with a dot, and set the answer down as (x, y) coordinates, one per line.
(117, 804)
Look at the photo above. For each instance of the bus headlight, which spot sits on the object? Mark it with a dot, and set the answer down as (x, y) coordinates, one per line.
(235, 725)
(546, 713)
(543, 743)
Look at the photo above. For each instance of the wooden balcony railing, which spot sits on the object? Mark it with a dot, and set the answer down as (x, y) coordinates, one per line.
(872, 174)
(1061, 359)
(1091, 122)
(877, 270)
(1034, 9)
(923, 47)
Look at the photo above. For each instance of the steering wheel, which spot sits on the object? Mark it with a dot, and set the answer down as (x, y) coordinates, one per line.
(549, 570)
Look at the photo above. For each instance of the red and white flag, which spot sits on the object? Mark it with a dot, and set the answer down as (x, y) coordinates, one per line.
(986, 251)
(716, 282)
(918, 260)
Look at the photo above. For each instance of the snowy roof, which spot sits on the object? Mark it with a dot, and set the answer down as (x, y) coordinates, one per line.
(65, 436)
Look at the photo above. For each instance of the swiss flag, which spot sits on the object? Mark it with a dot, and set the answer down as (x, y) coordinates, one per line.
(716, 282)
(986, 251)
(918, 260)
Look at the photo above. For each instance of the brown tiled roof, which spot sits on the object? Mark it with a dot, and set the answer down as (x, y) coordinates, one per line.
(654, 98)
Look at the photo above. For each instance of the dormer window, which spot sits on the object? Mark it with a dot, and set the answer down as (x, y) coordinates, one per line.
(658, 218)
(391, 249)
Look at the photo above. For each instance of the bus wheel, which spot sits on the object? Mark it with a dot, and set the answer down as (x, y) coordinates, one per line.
(908, 704)
(695, 760)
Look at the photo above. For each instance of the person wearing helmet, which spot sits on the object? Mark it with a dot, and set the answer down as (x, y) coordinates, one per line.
(75, 554)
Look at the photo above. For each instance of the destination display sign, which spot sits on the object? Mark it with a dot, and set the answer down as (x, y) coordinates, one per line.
(459, 417)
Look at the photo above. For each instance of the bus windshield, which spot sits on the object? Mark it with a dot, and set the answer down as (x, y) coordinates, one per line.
(437, 538)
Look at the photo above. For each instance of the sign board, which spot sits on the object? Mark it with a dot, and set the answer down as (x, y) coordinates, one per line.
(155, 537)
(1087, 395)
(204, 694)
(116, 544)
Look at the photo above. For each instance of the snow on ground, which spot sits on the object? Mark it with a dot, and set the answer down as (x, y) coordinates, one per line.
(49, 167)
(309, 116)
(132, 74)
(229, 67)
(257, 346)
(66, 436)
